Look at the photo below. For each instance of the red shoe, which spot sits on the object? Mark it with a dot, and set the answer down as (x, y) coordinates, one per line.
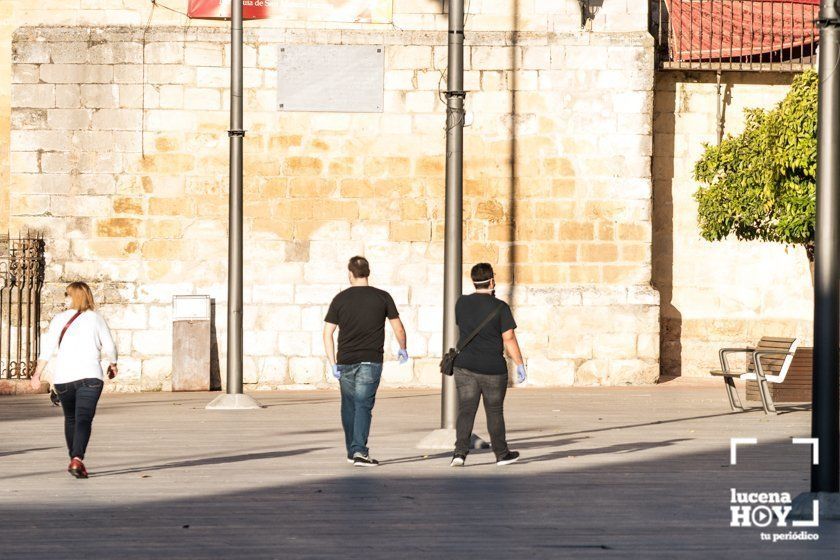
(77, 469)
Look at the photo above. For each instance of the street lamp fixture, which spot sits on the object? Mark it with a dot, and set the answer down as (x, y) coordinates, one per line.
(588, 11)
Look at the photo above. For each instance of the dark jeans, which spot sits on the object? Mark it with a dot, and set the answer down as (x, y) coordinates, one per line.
(359, 383)
(472, 386)
(78, 399)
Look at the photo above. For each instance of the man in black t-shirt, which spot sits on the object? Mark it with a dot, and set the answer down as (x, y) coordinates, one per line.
(480, 368)
(359, 313)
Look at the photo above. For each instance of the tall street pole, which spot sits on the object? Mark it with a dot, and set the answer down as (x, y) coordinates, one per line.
(235, 399)
(825, 476)
(236, 135)
(444, 438)
(453, 248)
(823, 501)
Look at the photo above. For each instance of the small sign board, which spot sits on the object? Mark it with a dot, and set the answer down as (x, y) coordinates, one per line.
(191, 308)
(331, 78)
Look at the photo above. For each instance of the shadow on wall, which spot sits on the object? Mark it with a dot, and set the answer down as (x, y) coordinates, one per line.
(215, 366)
(635, 507)
(667, 108)
(670, 318)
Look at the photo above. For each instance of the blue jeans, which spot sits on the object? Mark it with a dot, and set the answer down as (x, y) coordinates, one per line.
(79, 399)
(359, 383)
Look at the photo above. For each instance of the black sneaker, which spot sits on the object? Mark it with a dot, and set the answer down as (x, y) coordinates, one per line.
(350, 460)
(360, 460)
(458, 460)
(508, 458)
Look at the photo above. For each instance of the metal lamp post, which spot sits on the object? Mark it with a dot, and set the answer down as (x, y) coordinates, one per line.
(444, 438)
(234, 397)
(825, 478)
(453, 229)
(824, 422)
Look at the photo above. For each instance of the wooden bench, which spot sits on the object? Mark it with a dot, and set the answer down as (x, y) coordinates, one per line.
(771, 359)
(797, 385)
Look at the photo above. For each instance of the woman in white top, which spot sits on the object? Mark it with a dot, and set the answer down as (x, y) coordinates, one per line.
(80, 337)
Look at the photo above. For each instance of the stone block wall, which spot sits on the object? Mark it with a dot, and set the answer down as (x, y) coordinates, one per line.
(544, 16)
(727, 293)
(119, 154)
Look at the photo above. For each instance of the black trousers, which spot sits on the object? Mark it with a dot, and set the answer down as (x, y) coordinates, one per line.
(78, 400)
(471, 387)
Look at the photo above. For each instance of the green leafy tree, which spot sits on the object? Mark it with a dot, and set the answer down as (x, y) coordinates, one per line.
(761, 184)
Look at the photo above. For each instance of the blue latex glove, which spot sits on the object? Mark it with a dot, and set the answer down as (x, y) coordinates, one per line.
(521, 376)
(336, 372)
(403, 354)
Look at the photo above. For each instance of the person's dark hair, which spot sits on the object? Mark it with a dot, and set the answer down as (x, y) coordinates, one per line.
(359, 267)
(481, 275)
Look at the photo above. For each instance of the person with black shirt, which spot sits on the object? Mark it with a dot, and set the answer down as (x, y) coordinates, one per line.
(480, 368)
(359, 313)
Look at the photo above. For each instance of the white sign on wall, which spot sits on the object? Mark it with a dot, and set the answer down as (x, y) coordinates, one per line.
(331, 78)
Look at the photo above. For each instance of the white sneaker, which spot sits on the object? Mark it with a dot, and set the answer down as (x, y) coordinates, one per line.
(360, 460)
(458, 461)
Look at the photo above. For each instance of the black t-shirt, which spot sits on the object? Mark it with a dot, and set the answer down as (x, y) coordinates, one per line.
(485, 354)
(360, 313)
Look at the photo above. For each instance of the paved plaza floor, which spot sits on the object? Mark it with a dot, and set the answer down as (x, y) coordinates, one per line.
(627, 472)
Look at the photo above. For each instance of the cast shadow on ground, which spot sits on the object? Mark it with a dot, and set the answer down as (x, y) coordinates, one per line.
(673, 505)
(209, 461)
(610, 449)
(334, 398)
(783, 409)
(267, 403)
(14, 409)
(525, 445)
(514, 445)
(22, 451)
(788, 408)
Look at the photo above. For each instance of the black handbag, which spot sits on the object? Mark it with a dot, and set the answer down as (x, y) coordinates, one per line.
(447, 364)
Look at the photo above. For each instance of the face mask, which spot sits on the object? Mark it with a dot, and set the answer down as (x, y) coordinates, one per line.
(68, 303)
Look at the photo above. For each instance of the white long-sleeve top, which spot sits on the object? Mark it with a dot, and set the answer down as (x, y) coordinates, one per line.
(86, 342)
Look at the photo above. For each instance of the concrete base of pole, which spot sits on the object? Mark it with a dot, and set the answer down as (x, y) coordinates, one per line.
(444, 438)
(803, 506)
(233, 402)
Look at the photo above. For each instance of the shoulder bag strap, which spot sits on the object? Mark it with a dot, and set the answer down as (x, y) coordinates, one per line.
(67, 326)
(483, 324)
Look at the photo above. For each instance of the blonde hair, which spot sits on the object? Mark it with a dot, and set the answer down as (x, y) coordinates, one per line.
(81, 295)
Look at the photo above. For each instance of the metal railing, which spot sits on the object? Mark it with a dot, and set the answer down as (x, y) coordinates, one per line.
(21, 280)
(745, 35)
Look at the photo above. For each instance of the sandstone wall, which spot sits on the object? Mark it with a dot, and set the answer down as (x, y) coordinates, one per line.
(119, 153)
(482, 15)
(723, 293)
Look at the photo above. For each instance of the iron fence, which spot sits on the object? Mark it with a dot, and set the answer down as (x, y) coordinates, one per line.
(745, 35)
(21, 280)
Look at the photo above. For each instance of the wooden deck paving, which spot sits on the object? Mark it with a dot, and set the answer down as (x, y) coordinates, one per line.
(631, 472)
